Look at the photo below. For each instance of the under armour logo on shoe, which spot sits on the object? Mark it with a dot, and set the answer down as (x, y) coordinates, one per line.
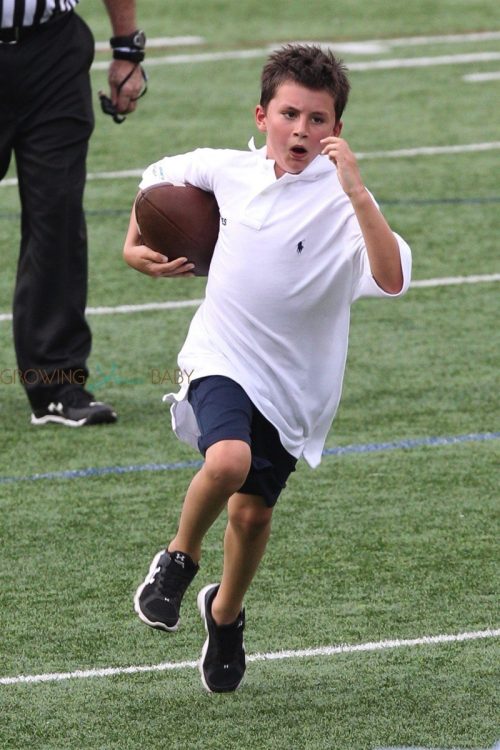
(55, 408)
(180, 559)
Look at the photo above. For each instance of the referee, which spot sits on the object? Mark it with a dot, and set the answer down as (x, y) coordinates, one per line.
(46, 121)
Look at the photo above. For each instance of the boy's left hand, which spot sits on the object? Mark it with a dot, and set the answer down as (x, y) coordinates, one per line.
(339, 152)
(154, 264)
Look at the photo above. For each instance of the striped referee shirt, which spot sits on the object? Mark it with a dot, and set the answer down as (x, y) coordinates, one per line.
(31, 12)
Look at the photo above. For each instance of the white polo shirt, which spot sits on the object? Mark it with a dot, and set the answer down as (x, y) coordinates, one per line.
(289, 262)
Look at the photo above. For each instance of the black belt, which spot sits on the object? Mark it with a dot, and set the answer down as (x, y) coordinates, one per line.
(16, 34)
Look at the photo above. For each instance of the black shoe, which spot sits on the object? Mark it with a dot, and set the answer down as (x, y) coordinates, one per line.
(157, 601)
(74, 408)
(222, 664)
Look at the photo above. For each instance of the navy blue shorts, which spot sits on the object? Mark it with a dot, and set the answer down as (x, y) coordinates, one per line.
(224, 412)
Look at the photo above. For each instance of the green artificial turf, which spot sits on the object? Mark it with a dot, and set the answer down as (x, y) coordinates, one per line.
(376, 545)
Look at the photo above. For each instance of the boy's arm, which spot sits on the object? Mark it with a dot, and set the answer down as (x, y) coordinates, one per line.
(148, 261)
(381, 244)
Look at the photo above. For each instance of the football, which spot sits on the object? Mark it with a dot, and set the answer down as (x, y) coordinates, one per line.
(179, 221)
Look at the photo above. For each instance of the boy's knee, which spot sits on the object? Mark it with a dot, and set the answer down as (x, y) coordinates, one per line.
(250, 518)
(227, 463)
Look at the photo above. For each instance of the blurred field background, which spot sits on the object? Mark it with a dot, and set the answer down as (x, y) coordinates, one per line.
(395, 538)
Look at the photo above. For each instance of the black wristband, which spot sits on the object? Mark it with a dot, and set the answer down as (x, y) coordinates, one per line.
(129, 47)
(132, 55)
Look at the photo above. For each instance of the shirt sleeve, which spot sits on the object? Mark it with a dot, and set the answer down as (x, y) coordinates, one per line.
(366, 286)
(195, 167)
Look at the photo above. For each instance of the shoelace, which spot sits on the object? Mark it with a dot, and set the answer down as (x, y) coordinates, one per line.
(178, 579)
(228, 642)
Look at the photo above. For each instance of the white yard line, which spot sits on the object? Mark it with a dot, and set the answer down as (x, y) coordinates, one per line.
(306, 653)
(482, 77)
(378, 46)
(424, 62)
(176, 304)
(455, 280)
(417, 41)
(172, 305)
(430, 150)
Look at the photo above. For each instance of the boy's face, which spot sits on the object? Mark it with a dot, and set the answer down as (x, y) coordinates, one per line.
(295, 121)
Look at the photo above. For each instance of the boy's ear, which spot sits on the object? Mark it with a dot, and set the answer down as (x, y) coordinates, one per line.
(260, 118)
(337, 128)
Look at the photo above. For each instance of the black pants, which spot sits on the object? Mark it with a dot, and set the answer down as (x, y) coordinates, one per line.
(46, 120)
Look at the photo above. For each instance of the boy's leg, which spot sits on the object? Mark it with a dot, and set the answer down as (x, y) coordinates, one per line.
(226, 467)
(222, 664)
(245, 541)
(158, 599)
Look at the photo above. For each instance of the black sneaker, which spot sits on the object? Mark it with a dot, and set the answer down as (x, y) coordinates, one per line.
(157, 601)
(74, 408)
(222, 664)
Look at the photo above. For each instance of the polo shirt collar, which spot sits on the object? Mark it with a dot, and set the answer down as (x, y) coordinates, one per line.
(317, 168)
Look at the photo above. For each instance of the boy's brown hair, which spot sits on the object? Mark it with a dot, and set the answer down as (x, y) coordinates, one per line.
(308, 65)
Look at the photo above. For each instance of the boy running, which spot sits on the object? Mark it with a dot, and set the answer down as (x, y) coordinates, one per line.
(300, 240)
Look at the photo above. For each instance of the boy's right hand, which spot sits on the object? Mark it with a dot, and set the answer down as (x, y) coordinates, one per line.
(148, 261)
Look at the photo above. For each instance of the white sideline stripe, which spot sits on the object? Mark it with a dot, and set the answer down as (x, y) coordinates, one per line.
(424, 62)
(377, 46)
(122, 309)
(172, 305)
(430, 150)
(305, 653)
(248, 54)
(463, 148)
(175, 304)
(452, 280)
(482, 77)
(416, 41)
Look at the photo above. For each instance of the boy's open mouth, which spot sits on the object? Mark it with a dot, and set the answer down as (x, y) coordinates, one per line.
(299, 150)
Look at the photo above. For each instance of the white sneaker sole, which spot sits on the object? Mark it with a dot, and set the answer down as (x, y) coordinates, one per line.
(96, 418)
(137, 606)
(52, 419)
(200, 600)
